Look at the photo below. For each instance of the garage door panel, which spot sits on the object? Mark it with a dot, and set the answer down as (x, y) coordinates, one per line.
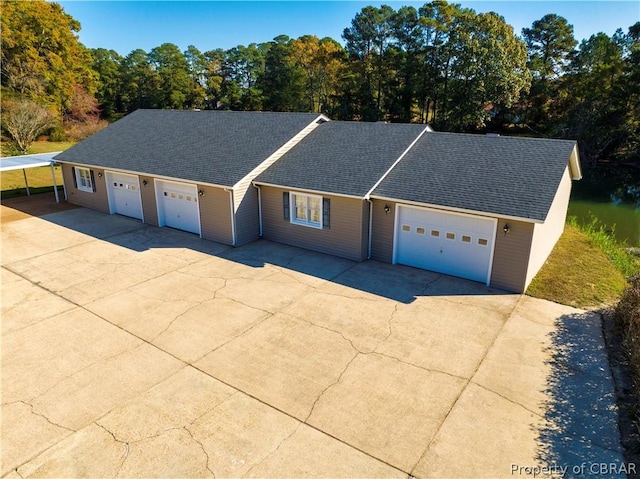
(178, 206)
(448, 243)
(124, 194)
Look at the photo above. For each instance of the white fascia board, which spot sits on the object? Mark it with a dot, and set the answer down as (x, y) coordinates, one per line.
(426, 129)
(303, 190)
(456, 210)
(280, 151)
(152, 175)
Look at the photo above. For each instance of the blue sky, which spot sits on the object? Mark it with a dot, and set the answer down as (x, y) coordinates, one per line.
(124, 26)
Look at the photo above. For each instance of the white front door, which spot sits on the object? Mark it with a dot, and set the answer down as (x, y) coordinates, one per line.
(124, 194)
(450, 243)
(178, 206)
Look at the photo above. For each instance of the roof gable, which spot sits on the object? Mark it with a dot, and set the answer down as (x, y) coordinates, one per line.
(509, 176)
(342, 157)
(216, 147)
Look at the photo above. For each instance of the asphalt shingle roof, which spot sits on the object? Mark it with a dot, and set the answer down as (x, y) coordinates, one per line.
(342, 157)
(511, 176)
(218, 147)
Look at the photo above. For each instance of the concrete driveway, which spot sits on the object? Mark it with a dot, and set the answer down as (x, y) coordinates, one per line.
(134, 351)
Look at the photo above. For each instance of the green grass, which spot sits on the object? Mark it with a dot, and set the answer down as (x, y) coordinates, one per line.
(586, 269)
(12, 182)
(49, 146)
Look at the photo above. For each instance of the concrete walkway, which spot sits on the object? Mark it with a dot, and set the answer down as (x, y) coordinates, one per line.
(133, 351)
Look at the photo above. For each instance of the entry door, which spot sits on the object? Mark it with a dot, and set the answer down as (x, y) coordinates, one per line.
(449, 243)
(178, 206)
(124, 194)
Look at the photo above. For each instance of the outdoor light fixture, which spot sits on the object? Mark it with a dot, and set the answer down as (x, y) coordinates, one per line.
(506, 229)
(387, 209)
(145, 182)
(201, 193)
(99, 174)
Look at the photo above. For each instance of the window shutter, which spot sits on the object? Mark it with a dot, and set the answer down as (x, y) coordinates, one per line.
(285, 205)
(326, 212)
(93, 181)
(75, 180)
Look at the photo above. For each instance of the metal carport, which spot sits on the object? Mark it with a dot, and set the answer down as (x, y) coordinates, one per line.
(25, 162)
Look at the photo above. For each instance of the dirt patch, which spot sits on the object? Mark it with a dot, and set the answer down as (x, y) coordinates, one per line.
(14, 209)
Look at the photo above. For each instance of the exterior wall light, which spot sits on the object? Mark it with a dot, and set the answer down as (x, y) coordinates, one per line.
(387, 209)
(99, 174)
(145, 182)
(200, 193)
(506, 229)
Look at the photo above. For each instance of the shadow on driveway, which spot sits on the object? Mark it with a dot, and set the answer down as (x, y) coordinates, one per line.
(581, 416)
(399, 283)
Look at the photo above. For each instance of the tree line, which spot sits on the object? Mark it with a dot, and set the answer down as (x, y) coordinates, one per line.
(442, 64)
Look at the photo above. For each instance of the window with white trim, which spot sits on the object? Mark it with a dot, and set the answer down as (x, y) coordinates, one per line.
(307, 210)
(83, 179)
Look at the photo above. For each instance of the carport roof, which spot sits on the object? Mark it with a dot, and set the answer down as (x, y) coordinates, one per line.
(26, 161)
(342, 157)
(215, 147)
(509, 176)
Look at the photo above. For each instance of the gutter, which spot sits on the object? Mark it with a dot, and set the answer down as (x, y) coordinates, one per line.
(233, 217)
(257, 187)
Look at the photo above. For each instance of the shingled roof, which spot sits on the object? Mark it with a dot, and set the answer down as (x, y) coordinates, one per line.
(342, 157)
(510, 176)
(216, 147)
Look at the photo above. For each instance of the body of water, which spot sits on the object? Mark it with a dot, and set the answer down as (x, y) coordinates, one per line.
(624, 218)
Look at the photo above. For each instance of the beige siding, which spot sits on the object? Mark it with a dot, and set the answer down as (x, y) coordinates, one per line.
(247, 217)
(365, 228)
(546, 235)
(215, 214)
(343, 238)
(511, 255)
(382, 234)
(97, 200)
(149, 205)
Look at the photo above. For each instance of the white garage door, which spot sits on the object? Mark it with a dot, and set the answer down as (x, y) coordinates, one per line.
(449, 243)
(124, 194)
(178, 206)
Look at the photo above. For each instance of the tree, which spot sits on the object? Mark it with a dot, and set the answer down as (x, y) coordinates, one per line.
(550, 44)
(171, 66)
(106, 63)
(197, 64)
(42, 59)
(281, 81)
(24, 120)
(140, 82)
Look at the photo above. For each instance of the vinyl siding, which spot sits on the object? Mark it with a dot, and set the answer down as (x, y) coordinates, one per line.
(97, 200)
(245, 196)
(382, 234)
(546, 235)
(365, 228)
(344, 238)
(215, 214)
(247, 216)
(511, 255)
(148, 195)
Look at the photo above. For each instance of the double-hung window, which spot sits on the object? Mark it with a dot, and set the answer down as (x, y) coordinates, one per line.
(307, 210)
(84, 181)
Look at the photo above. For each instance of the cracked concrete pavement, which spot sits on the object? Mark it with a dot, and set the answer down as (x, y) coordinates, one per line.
(134, 351)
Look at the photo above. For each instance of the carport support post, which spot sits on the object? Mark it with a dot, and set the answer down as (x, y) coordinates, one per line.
(24, 173)
(55, 186)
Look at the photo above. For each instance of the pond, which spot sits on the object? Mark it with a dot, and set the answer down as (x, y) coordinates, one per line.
(623, 217)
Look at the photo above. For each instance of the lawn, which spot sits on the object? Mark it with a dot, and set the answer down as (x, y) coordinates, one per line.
(12, 182)
(578, 273)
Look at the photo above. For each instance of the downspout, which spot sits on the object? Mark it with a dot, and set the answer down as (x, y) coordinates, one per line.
(233, 217)
(370, 227)
(257, 187)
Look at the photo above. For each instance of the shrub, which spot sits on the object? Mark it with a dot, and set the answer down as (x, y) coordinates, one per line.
(627, 317)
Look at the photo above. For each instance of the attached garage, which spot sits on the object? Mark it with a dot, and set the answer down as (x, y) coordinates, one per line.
(446, 242)
(178, 205)
(123, 192)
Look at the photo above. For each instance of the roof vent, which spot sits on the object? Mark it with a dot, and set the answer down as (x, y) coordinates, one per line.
(493, 135)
